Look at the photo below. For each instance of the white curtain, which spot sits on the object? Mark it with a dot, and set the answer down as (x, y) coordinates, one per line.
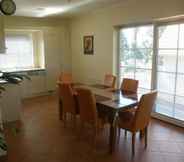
(19, 53)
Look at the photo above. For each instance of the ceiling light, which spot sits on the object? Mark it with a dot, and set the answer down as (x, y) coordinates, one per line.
(40, 9)
(50, 11)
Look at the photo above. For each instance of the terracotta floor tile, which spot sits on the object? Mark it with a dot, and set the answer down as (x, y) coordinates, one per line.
(41, 137)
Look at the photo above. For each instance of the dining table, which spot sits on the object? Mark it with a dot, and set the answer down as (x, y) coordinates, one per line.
(109, 103)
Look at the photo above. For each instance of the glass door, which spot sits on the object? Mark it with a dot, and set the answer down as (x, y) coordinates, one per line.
(170, 70)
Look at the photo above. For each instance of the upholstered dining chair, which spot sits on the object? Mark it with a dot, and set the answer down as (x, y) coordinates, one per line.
(69, 102)
(129, 85)
(110, 80)
(139, 120)
(88, 111)
(65, 77)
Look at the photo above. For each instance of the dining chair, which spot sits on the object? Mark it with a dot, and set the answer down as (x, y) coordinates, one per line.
(65, 77)
(129, 85)
(139, 120)
(110, 80)
(88, 111)
(69, 102)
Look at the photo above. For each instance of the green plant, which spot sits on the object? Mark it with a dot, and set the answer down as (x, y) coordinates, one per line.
(3, 145)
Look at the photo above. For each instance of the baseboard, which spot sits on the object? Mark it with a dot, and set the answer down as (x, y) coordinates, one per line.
(39, 94)
(168, 119)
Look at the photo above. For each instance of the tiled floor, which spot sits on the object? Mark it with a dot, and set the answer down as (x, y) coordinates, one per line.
(41, 137)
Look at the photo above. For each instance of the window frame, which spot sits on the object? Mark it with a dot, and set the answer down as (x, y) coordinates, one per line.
(135, 25)
(37, 48)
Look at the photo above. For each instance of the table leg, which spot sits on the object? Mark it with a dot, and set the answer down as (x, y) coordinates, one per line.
(112, 138)
(60, 110)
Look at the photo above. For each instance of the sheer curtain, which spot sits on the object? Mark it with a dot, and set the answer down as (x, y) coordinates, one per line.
(19, 53)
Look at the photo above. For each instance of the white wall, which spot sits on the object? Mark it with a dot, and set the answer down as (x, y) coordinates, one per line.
(101, 24)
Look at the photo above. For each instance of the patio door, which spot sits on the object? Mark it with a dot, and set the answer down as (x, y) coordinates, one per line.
(170, 70)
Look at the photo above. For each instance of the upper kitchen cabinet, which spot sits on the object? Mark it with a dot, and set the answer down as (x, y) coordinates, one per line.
(2, 36)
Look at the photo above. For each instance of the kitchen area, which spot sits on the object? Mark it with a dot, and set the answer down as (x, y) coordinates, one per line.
(49, 40)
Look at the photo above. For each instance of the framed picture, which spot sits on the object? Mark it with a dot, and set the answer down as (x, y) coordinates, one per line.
(88, 45)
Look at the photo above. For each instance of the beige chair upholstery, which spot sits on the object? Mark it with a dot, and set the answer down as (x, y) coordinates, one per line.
(69, 103)
(110, 80)
(139, 120)
(65, 77)
(88, 110)
(129, 85)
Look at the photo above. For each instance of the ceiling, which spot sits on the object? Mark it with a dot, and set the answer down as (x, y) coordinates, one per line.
(45, 8)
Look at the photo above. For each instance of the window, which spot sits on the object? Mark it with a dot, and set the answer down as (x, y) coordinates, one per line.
(136, 50)
(21, 52)
(170, 70)
(161, 67)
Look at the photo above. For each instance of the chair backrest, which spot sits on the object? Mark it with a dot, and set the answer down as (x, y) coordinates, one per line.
(129, 85)
(110, 80)
(65, 77)
(67, 98)
(87, 106)
(143, 112)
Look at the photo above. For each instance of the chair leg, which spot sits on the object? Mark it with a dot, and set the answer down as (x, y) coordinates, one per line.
(125, 133)
(75, 120)
(142, 133)
(146, 136)
(133, 143)
(94, 138)
(81, 130)
(119, 134)
(64, 119)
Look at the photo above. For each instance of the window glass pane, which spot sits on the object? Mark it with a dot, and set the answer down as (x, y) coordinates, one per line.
(172, 80)
(144, 37)
(127, 38)
(164, 104)
(167, 60)
(179, 108)
(144, 58)
(127, 58)
(181, 61)
(143, 91)
(168, 36)
(181, 40)
(180, 85)
(136, 48)
(127, 72)
(144, 77)
(166, 82)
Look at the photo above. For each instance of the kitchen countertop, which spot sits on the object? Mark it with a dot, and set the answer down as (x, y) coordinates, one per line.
(2, 81)
(19, 70)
